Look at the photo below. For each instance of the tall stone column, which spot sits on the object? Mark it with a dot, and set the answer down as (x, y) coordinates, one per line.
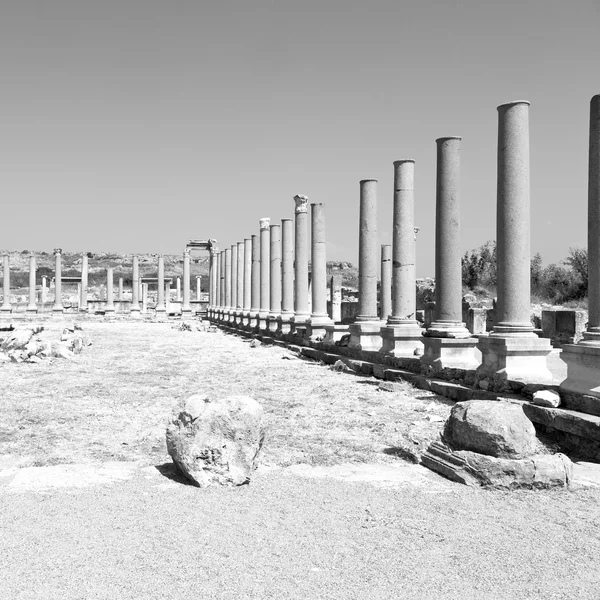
(234, 261)
(385, 291)
(144, 298)
(247, 282)
(168, 297)
(227, 307)
(319, 318)
(364, 332)
(199, 288)
(178, 290)
(583, 359)
(110, 304)
(6, 306)
(448, 342)
(44, 289)
(287, 275)
(402, 334)
(255, 283)
(186, 308)
(121, 298)
(58, 307)
(301, 311)
(335, 285)
(212, 282)
(274, 278)
(513, 350)
(135, 287)
(160, 287)
(239, 308)
(32, 306)
(222, 285)
(265, 279)
(83, 298)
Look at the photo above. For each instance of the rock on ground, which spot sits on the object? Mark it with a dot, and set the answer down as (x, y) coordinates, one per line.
(217, 442)
(498, 429)
(546, 398)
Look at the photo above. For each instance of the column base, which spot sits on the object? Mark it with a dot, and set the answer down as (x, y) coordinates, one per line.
(135, 313)
(252, 321)
(447, 329)
(186, 312)
(6, 308)
(335, 332)
(58, 309)
(519, 358)
(315, 326)
(262, 321)
(284, 323)
(109, 310)
(402, 339)
(273, 322)
(300, 319)
(583, 368)
(365, 335)
(449, 353)
(31, 310)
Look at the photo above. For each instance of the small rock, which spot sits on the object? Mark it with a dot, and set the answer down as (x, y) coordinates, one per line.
(436, 418)
(61, 350)
(484, 384)
(34, 359)
(341, 366)
(418, 352)
(76, 345)
(344, 340)
(546, 398)
(255, 343)
(17, 340)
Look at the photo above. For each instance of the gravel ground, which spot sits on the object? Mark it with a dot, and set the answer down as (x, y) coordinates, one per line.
(151, 536)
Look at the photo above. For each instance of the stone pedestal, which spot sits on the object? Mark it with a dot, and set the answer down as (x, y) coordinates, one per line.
(32, 306)
(513, 350)
(301, 251)
(401, 336)
(265, 273)
(335, 332)
(57, 307)
(583, 359)
(449, 353)
(365, 335)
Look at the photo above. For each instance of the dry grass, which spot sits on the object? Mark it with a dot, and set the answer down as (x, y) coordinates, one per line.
(113, 401)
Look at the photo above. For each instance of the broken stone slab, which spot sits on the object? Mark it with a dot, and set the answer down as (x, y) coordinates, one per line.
(216, 442)
(546, 398)
(17, 340)
(538, 471)
(498, 429)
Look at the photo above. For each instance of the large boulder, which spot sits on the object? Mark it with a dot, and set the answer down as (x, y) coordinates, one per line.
(217, 442)
(498, 429)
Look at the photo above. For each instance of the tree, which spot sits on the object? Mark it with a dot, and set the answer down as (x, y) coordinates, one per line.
(578, 261)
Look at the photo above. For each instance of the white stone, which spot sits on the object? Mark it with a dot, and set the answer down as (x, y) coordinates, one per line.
(546, 398)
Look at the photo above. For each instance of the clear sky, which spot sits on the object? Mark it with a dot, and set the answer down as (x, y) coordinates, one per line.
(135, 125)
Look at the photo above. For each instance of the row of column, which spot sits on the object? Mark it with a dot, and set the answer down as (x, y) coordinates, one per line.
(512, 350)
(263, 282)
(136, 291)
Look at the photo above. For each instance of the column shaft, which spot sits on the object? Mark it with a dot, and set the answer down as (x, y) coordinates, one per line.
(385, 290)
(301, 260)
(275, 271)
(110, 306)
(287, 267)
(240, 277)
(120, 289)
(135, 286)
(199, 287)
(367, 251)
(160, 286)
(593, 330)
(247, 274)
(84, 283)
(227, 279)
(265, 259)
(318, 261)
(185, 307)
(58, 307)
(255, 277)
(233, 277)
(32, 306)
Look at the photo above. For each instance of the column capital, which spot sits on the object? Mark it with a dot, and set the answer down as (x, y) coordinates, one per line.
(186, 252)
(447, 139)
(301, 203)
(57, 250)
(265, 223)
(514, 103)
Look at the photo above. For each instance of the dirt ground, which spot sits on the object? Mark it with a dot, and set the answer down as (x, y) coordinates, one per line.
(310, 524)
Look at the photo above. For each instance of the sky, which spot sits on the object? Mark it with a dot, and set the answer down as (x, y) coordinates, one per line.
(136, 125)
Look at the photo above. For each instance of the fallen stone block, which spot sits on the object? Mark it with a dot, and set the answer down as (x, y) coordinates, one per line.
(498, 429)
(546, 398)
(217, 442)
(17, 340)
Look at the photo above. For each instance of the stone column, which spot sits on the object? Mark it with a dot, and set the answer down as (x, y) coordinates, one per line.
(247, 295)
(135, 288)
(233, 283)
(6, 306)
(168, 297)
(364, 333)
(121, 289)
(227, 308)
(58, 307)
(212, 282)
(110, 306)
(222, 285)
(319, 318)
(447, 342)
(239, 308)
(199, 288)
(287, 275)
(274, 278)
(513, 350)
(32, 305)
(385, 290)
(44, 295)
(583, 359)
(402, 334)
(186, 308)
(335, 286)
(160, 287)
(83, 303)
(255, 283)
(265, 273)
(178, 289)
(144, 298)
(301, 312)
